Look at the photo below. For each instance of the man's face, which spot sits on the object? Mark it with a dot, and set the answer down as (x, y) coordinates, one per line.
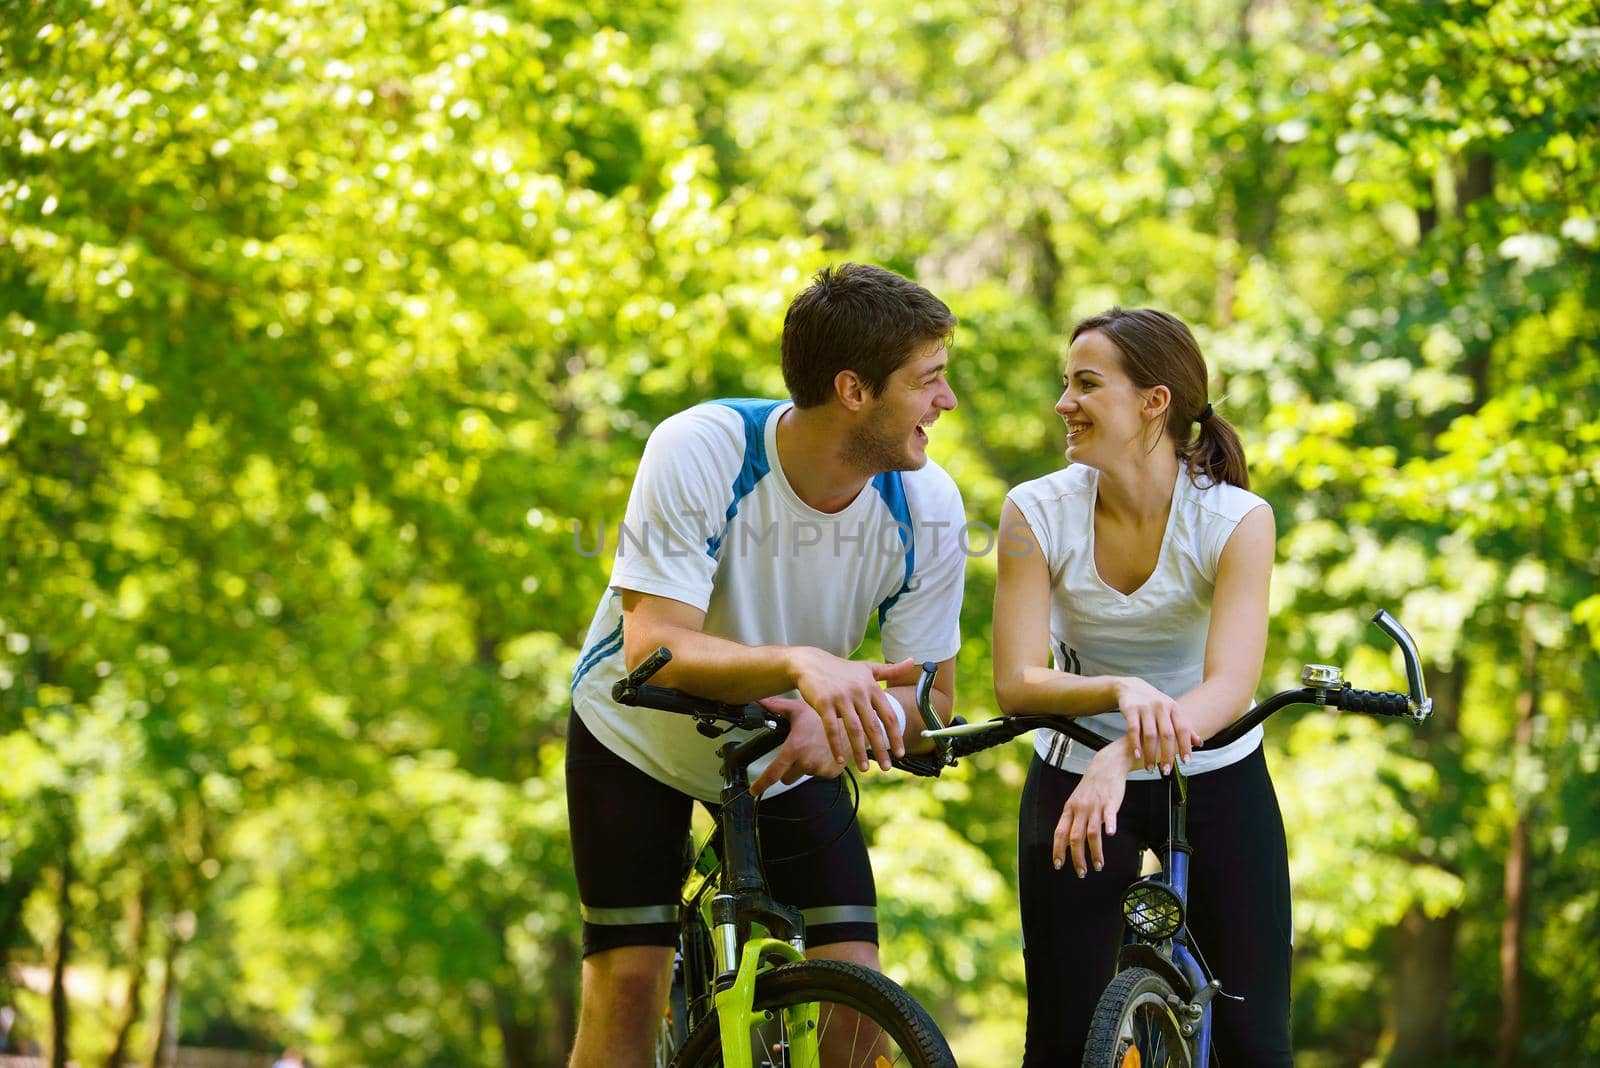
(893, 433)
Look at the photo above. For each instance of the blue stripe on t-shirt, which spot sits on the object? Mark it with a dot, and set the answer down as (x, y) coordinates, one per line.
(893, 491)
(755, 413)
(597, 652)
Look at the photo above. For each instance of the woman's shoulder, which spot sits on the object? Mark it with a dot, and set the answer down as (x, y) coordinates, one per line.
(1058, 508)
(1222, 501)
(1070, 481)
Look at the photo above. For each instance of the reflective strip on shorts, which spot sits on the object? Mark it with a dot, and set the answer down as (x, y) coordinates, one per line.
(840, 914)
(629, 917)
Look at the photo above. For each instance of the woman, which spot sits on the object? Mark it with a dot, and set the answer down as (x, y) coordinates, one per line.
(1147, 562)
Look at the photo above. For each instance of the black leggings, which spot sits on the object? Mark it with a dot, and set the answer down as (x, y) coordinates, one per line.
(1238, 909)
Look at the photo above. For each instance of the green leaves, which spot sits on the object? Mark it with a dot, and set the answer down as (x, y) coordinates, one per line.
(320, 327)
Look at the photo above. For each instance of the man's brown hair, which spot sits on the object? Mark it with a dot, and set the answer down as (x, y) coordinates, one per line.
(861, 318)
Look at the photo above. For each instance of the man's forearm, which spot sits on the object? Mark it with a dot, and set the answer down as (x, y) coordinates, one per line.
(716, 668)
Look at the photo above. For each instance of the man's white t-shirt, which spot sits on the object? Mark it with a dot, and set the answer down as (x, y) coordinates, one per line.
(1156, 633)
(713, 522)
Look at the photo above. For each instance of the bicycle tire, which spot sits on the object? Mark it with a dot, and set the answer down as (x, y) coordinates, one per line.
(1134, 1014)
(874, 996)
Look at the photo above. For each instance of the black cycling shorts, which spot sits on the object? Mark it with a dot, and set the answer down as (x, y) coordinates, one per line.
(628, 850)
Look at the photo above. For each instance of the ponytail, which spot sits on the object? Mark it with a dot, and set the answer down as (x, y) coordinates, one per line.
(1215, 453)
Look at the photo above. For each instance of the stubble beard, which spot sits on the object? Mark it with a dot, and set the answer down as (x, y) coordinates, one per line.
(872, 450)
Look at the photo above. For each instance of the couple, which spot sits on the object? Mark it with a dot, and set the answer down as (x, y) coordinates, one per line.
(1145, 577)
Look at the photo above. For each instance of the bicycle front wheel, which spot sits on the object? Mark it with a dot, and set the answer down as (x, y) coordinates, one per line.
(1135, 1025)
(865, 1020)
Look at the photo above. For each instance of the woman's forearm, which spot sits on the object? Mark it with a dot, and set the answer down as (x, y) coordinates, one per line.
(1214, 704)
(1042, 691)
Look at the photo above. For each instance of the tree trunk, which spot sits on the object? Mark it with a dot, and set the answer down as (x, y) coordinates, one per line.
(1227, 278)
(12, 897)
(1047, 267)
(1511, 947)
(1424, 971)
(558, 1008)
(164, 1050)
(1476, 182)
(518, 1041)
(1425, 946)
(519, 1038)
(1515, 921)
(139, 924)
(59, 1007)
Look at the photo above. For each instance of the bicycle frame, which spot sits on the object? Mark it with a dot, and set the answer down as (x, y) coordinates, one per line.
(1174, 957)
(741, 900)
(1192, 969)
(732, 996)
(721, 931)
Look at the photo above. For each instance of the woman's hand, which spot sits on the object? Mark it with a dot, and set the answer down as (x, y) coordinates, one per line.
(1157, 728)
(1092, 809)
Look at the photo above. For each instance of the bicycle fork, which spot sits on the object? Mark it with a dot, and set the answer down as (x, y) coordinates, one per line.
(738, 1018)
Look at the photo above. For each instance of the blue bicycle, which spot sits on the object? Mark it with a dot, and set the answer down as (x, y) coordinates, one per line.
(1156, 1012)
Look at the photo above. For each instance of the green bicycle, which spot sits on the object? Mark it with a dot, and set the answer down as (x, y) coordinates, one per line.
(747, 1001)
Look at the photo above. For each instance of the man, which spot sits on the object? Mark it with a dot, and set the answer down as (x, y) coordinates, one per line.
(759, 538)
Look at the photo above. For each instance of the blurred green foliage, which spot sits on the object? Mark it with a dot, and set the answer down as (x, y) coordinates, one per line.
(323, 325)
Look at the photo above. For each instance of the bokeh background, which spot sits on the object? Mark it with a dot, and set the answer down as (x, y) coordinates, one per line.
(324, 324)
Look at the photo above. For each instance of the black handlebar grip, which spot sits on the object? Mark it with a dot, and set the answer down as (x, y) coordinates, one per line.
(639, 675)
(926, 765)
(1373, 702)
(965, 745)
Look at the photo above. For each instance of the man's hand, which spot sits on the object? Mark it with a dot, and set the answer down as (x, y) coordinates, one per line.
(1157, 727)
(854, 710)
(804, 752)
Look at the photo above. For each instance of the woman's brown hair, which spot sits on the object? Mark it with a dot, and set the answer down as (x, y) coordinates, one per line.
(1158, 350)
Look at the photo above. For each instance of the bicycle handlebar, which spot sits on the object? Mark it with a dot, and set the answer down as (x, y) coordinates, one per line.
(976, 737)
(1323, 686)
(641, 674)
(712, 718)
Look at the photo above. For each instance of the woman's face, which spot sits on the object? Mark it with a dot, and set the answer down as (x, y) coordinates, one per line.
(1106, 415)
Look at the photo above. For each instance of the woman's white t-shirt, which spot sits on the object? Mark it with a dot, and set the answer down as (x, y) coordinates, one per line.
(1156, 633)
